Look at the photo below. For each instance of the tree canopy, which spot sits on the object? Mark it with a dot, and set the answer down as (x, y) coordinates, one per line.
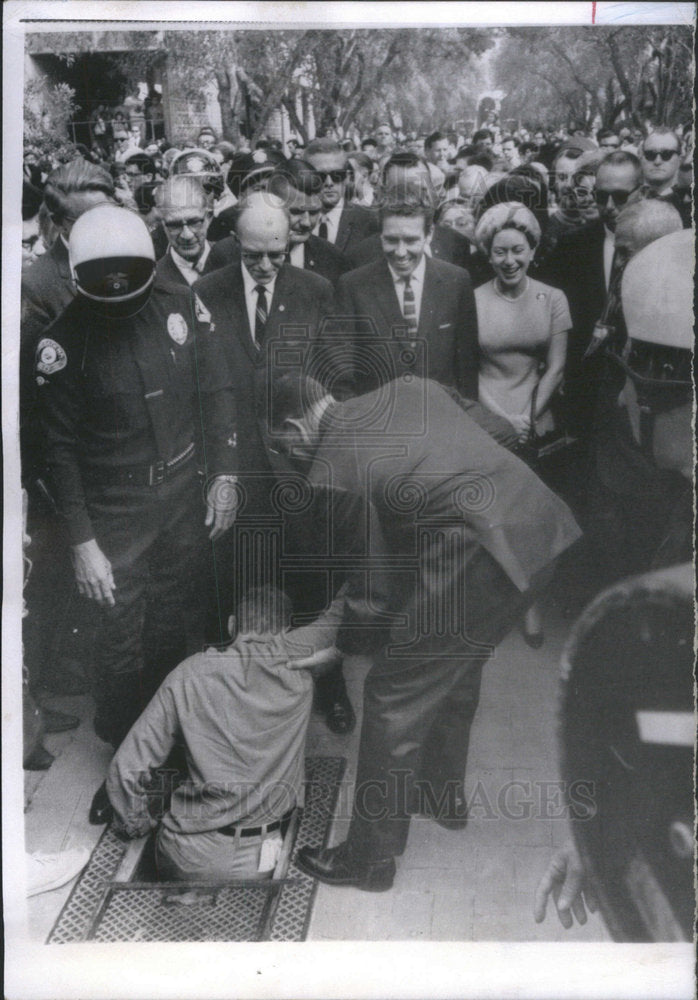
(418, 78)
(640, 73)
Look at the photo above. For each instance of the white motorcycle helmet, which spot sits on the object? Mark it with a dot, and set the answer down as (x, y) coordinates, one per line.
(112, 260)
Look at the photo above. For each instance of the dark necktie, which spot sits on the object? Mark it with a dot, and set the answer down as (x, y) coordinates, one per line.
(409, 310)
(260, 314)
(323, 231)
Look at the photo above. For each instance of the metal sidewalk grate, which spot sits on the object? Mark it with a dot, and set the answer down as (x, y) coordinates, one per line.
(100, 909)
(295, 904)
(183, 912)
(75, 919)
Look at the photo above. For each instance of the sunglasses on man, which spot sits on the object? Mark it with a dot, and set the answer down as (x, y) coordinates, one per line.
(336, 176)
(619, 197)
(666, 154)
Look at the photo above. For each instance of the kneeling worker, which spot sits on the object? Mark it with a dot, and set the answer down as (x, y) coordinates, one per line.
(242, 715)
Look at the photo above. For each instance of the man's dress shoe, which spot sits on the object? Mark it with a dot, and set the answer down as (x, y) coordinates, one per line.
(339, 866)
(58, 722)
(101, 811)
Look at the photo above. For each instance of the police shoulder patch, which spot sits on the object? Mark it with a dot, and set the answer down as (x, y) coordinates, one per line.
(50, 357)
(177, 328)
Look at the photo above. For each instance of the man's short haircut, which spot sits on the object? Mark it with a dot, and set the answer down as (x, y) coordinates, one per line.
(663, 130)
(622, 158)
(75, 177)
(323, 145)
(363, 160)
(406, 204)
(248, 201)
(369, 141)
(647, 220)
(482, 134)
(605, 133)
(528, 147)
(142, 161)
(511, 138)
(481, 160)
(186, 190)
(432, 139)
(466, 151)
(406, 159)
(291, 395)
(264, 609)
(294, 175)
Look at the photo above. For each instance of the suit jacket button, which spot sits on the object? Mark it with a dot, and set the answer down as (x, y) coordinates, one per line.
(282, 307)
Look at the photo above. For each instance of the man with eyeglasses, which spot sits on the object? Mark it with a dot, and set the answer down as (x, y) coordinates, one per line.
(298, 186)
(259, 304)
(581, 266)
(340, 223)
(661, 159)
(183, 208)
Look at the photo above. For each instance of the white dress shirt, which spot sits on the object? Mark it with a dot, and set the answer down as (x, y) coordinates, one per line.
(191, 270)
(332, 219)
(609, 247)
(296, 255)
(251, 297)
(416, 284)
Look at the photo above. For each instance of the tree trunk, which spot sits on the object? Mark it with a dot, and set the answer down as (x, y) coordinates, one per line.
(227, 94)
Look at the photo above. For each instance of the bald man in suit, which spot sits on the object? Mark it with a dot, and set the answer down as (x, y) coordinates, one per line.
(264, 308)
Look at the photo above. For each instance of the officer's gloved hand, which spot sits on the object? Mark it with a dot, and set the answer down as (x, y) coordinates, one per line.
(93, 572)
(222, 499)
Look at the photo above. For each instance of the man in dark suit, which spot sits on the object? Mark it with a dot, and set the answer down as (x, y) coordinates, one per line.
(581, 266)
(183, 208)
(407, 313)
(661, 159)
(340, 223)
(456, 535)
(298, 186)
(409, 172)
(263, 307)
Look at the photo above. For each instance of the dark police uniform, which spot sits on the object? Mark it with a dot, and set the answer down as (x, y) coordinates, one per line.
(128, 405)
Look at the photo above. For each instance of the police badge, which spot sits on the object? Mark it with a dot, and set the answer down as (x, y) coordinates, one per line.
(177, 328)
(50, 357)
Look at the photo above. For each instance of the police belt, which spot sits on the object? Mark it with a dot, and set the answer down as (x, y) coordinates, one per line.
(143, 475)
(255, 831)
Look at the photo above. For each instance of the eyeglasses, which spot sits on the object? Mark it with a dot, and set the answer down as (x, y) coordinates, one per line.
(666, 154)
(177, 225)
(257, 256)
(619, 197)
(336, 176)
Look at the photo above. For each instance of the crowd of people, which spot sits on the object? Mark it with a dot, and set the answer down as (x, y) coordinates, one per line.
(311, 396)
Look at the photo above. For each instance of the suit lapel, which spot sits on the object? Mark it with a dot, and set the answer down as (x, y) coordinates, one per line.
(343, 229)
(237, 310)
(281, 308)
(385, 295)
(431, 298)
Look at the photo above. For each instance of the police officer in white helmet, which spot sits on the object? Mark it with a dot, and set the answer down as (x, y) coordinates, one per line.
(136, 402)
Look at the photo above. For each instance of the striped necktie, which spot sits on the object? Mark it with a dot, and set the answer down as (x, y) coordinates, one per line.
(409, 309)
(260, 314)
(322, 231)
